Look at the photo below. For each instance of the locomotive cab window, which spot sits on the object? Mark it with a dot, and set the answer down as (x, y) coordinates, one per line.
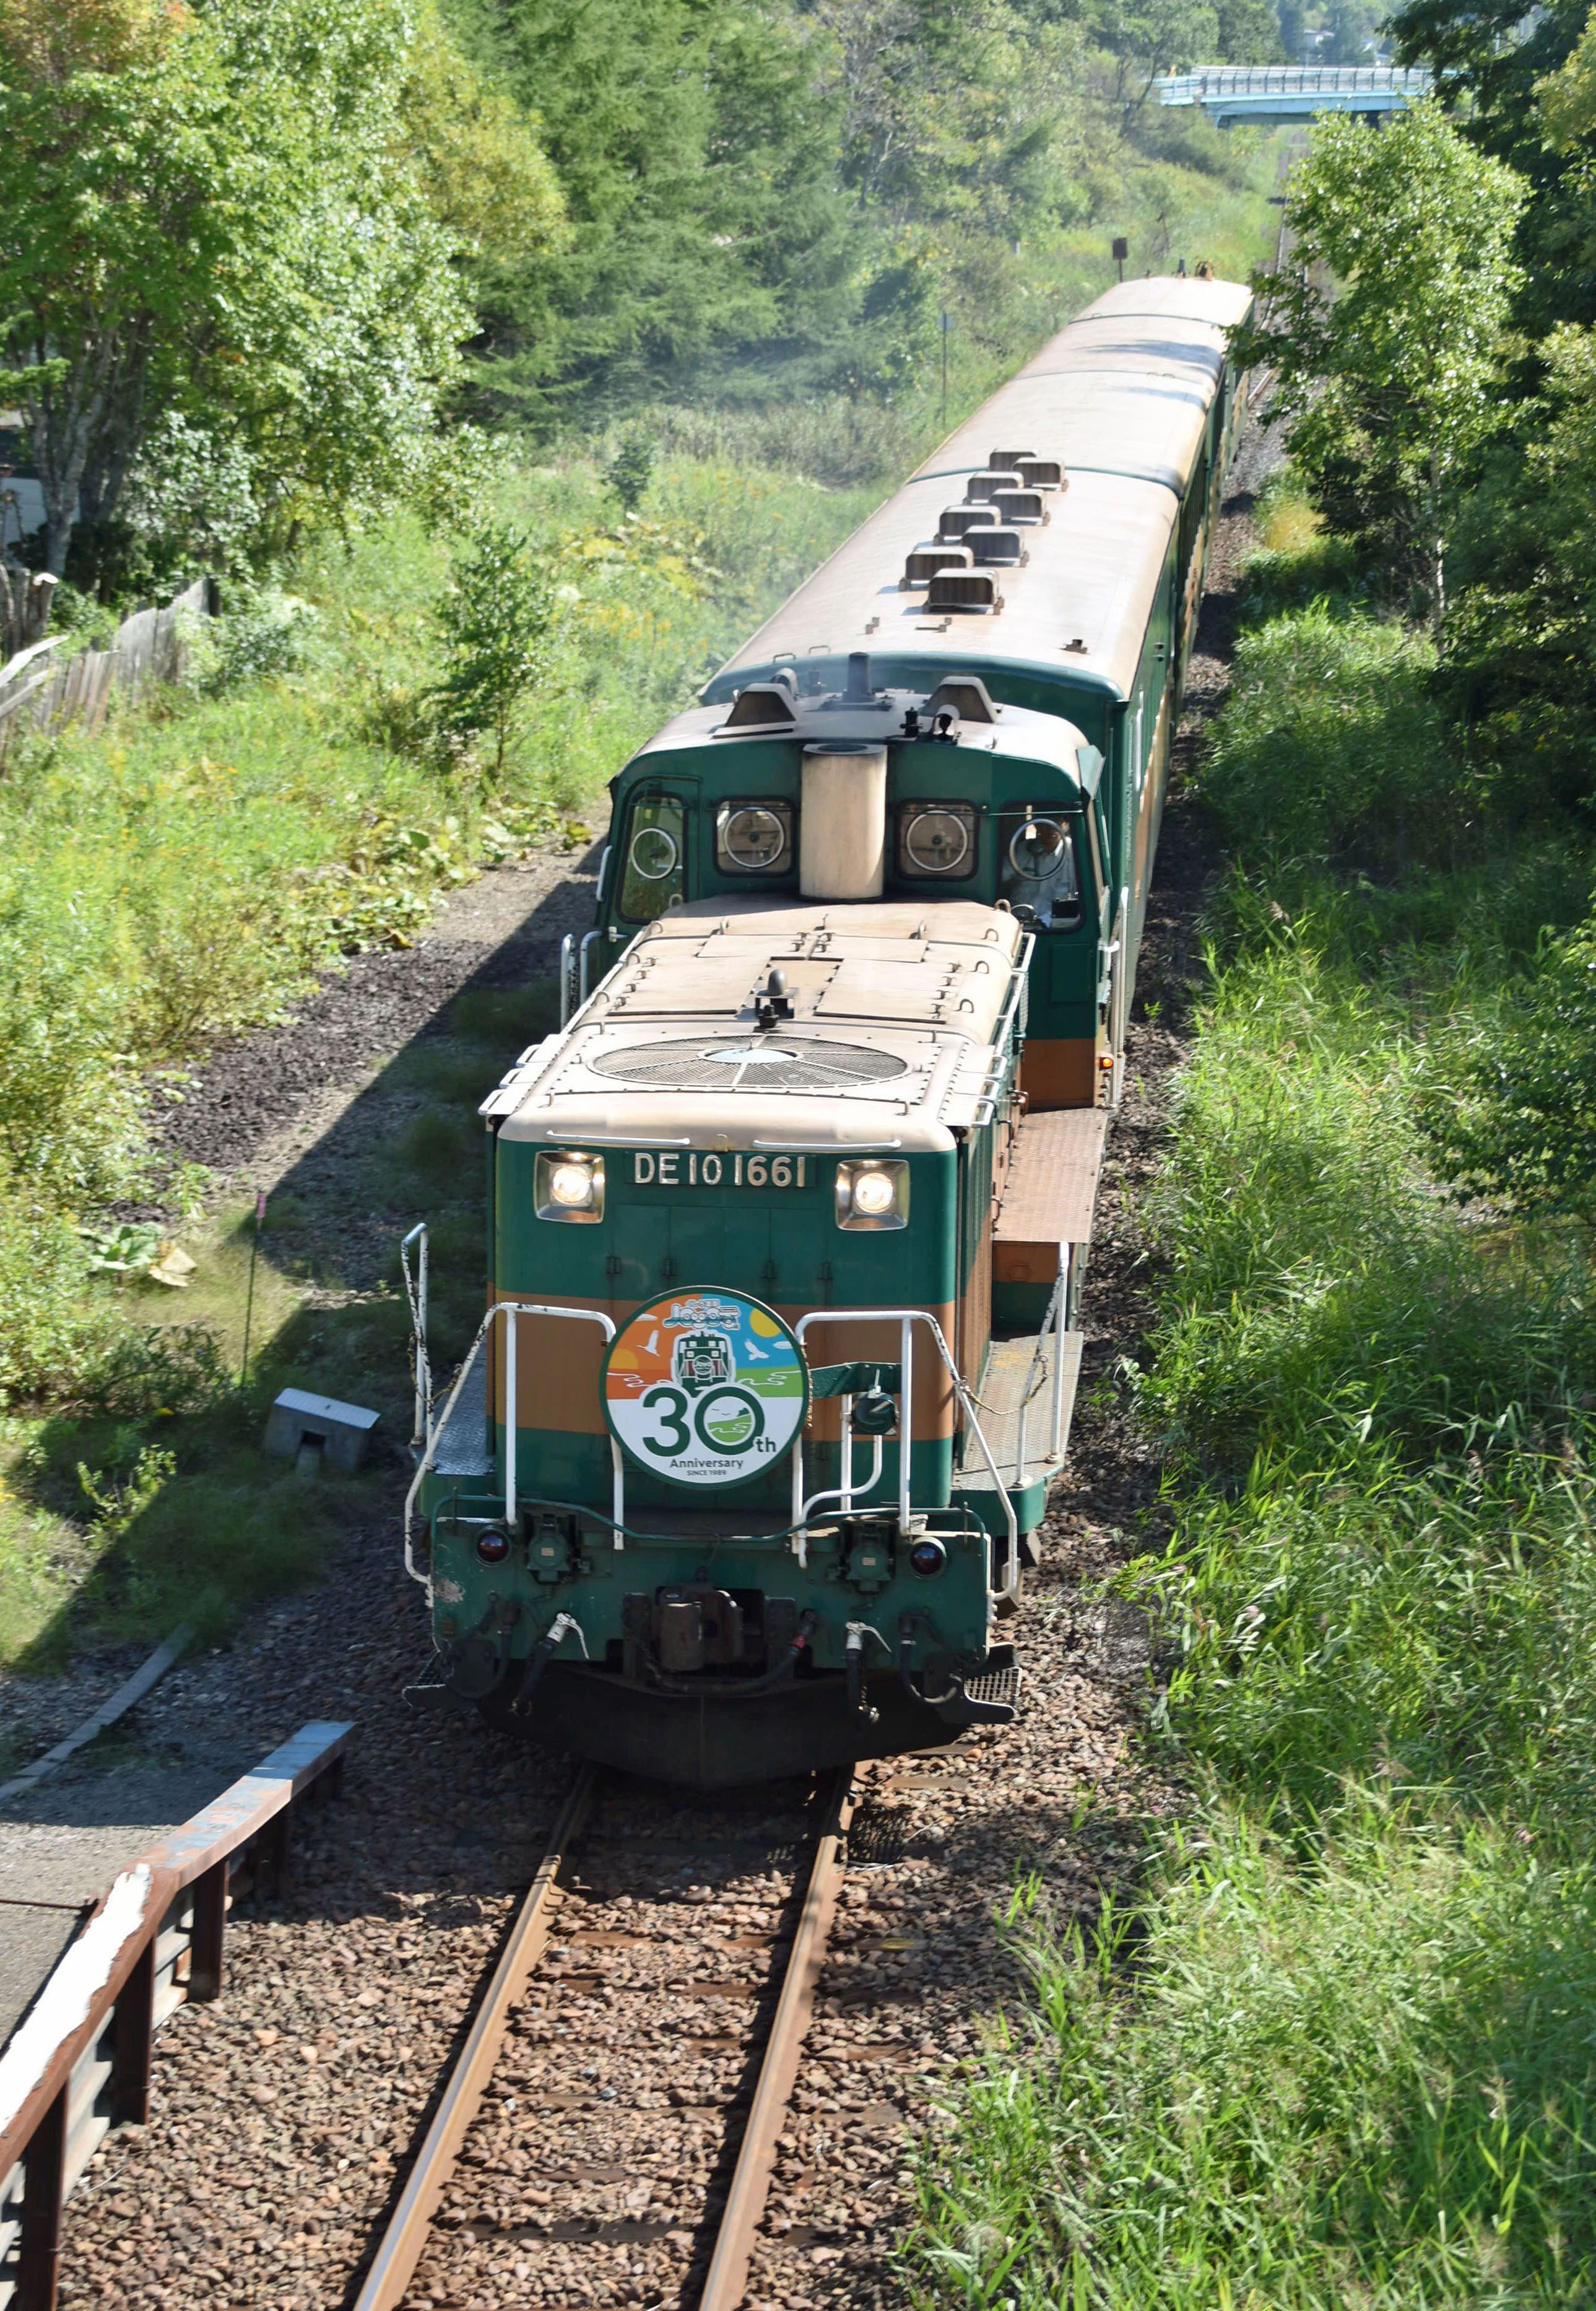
(753, 838)
(1040, 870)
(937, 838)
(652, 866)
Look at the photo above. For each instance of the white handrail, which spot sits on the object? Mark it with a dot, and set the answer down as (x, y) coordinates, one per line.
(906, 1317)
(511, 1309)
(415, 1292)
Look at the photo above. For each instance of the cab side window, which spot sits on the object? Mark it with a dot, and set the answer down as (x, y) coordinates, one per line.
(652, 870)
(1040, 870)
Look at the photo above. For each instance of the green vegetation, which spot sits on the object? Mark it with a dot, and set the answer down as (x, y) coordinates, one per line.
(1387, 368)
(775, 205)
(1338, 2049)
(1339, 2052)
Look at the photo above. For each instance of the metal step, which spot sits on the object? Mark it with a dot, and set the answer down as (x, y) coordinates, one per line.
(463, 1448)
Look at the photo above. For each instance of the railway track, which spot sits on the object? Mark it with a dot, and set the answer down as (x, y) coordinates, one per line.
(693, 2032)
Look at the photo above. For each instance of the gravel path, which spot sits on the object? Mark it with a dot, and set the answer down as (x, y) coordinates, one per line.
(283, 2114)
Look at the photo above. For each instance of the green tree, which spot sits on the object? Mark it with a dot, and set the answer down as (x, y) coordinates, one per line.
(1490, 56)
(495, 625)
(1250, 32)
(1386, 333)
(483, 173)
(630, 470)
(1521, 660)
(1149, 37)
(221, 222)
(696, 153)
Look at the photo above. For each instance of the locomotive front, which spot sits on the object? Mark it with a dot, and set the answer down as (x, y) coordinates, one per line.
(711, 1500)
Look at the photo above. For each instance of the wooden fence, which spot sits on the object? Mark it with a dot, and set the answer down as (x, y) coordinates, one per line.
(148, 647)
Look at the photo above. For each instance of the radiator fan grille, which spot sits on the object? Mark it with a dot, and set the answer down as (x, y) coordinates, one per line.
(748, 1063)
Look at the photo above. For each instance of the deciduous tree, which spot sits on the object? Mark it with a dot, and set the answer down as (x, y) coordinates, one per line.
(1385, 334)
(227, 219)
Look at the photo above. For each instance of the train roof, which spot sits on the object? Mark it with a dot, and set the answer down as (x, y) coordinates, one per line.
(1019, 733)
(1121, 396)
(895, 1007)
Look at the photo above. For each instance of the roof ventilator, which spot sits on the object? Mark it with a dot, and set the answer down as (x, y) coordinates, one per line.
(926, 561)
(980, 488)
(1008, 461)
(974, 591)
(770, 705)
(958, 521)
(1020, 506)
(1041, 473)
(965, 695)
(998, 545)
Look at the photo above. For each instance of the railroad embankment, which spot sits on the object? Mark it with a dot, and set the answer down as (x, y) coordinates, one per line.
(1338, 2049)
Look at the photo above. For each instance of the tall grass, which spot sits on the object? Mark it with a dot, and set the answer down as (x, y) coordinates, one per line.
(1344, 2050)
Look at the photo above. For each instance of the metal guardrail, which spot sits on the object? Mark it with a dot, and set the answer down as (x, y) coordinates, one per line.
(1210, 82)
(79, 2065)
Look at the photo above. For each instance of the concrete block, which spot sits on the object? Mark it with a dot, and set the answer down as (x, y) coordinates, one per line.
(299, 1420)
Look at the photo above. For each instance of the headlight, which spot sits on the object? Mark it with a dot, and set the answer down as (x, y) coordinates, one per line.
(873, 1194)
(569, 1187)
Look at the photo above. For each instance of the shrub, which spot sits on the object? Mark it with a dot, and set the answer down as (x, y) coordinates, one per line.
(47, 1328)
(1512, 1111)
(70, 1101)
(495, 625)
(1330, 745)
(268, 634)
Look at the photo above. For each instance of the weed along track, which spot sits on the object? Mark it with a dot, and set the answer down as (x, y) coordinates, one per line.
(610, 2125)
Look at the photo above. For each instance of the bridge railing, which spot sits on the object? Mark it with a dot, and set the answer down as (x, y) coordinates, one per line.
(1210, 82)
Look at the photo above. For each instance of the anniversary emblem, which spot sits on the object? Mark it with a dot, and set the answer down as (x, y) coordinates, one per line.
(705, 1388)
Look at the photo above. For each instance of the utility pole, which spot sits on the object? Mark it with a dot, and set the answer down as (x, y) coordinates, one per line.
(947, 322)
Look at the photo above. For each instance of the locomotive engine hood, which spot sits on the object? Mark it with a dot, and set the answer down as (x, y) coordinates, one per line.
(735, 1023)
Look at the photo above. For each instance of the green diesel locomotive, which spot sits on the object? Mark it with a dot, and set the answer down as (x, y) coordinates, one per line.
(788, 1220)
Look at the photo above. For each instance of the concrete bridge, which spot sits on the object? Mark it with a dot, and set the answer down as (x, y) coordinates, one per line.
(1276, 93)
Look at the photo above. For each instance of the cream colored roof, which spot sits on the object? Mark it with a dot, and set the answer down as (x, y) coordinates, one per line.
(896, 1006)
(1121, 396)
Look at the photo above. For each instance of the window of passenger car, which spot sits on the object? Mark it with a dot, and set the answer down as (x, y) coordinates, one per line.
(653, 866)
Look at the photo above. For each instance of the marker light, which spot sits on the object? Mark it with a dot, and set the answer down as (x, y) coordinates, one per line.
(569, 1187)
(873, 1194)
(494, 1547)
(927, 1556)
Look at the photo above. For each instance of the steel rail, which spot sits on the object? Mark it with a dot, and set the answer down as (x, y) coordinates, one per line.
(728, 2278)
(405, 2236)
(404, 2241)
